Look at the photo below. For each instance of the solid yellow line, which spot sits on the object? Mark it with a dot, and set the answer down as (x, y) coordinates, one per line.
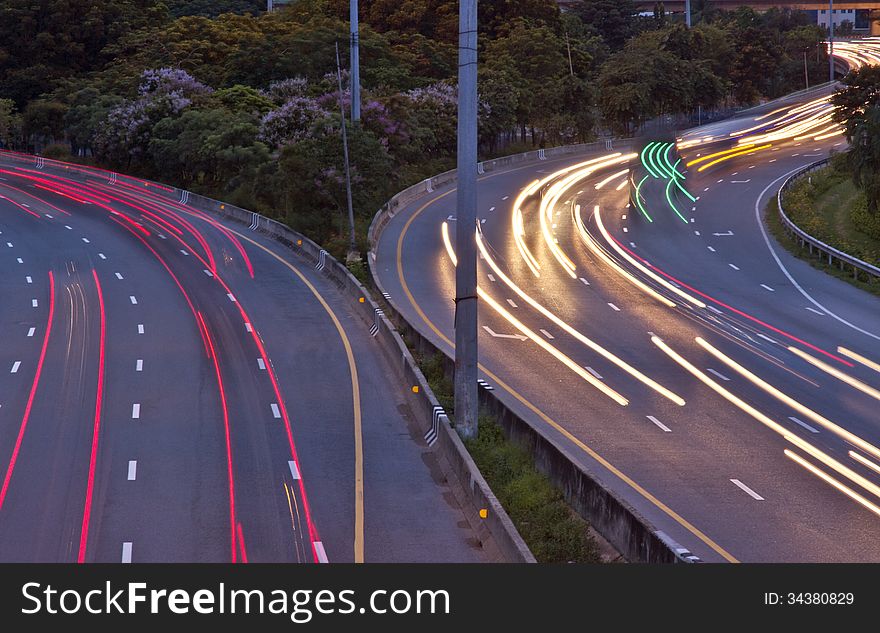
(589, 451)
(356, 403)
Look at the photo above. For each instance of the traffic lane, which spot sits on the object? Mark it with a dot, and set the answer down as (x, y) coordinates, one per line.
(407, 504)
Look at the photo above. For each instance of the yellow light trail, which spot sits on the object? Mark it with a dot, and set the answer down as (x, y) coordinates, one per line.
(855, 383)
(606, 354)
(657, 278)
(702, 159)
(600, 253)
(604, 182)
(865, 461)
(729, 156)
(519, 228)
(789, 401)
(765, 420)
(849, 492)
(535, 338)
(867, 362)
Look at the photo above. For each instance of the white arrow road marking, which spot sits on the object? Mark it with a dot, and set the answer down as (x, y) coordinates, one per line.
(662, 426)
(727, 234)
(495, 334)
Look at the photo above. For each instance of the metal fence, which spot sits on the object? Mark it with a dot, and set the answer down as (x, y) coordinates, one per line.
(816, 246)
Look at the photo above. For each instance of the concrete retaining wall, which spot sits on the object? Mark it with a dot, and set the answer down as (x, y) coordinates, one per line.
(473, 492)
(610, 515)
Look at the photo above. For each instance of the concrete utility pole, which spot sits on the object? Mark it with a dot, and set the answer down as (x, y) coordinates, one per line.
(831, 40)
(466, 402)
(687, 13)
(355, 63)
(352, 244)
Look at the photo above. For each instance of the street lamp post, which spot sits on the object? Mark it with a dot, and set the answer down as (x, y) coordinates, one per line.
(355, 63)
(687, 13)
(352, 244)
(831, 40)
(466, 405)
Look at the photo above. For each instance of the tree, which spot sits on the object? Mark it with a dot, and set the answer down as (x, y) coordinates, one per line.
(10, 124)
(857, 106)
(614, 20)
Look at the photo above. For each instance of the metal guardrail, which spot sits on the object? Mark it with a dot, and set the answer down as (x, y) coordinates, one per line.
(808, 241)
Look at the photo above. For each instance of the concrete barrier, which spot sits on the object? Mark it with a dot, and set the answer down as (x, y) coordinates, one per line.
(472, 491)
(610, 515)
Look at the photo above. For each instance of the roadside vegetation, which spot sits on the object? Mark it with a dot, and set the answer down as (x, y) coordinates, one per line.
(223, 99)
(553, 531)
(840, 204)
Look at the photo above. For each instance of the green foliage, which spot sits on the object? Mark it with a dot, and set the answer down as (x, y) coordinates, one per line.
(10, 124)
(858, 108)
(551, 529)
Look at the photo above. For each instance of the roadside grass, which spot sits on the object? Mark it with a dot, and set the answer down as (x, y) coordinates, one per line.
(553, 531)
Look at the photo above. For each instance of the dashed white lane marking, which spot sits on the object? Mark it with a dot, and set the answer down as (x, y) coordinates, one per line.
(584, 281)
(9, 244)
(133, 300)
(696, 232)
(119, 275)
(139, 365)
(614, 307)
(15, 367)
(505, 197)
(140, 328)
(632, 244)
(734, 266)
(718, 374)
(276, 412)
(319, 552)
(706, 189)
(511, 303)
(183, 252)
(51, 217)
(491, 277)
(594, 372)
(231, 297)
(68, 227)
(625, 230)
(102, 256)
(767, 338)
(208, 272)
(247, 326)
(815, 311)
(132, 469)
(659, 424)
(711, 248)
(31, 331)
(623, 217)
(261, 363)
(35, 303)
(126, 552)
(766, 287)
(547, 334)
(162, 237)
(86, 240)
(720, 180)
(28, 279)
(135, 411)
(754, 495)
(714, 309)
(803, 424)
(294, 470)
(19, 260)
(491, 208)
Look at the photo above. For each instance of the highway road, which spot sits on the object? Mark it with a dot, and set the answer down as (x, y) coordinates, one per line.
(725, 389)
(173, 388)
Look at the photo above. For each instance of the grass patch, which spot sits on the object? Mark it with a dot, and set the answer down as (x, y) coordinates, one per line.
(829, 206)
(553, 531)
(774, 224)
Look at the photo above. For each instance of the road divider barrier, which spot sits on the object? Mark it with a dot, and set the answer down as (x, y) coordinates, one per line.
(495, 530)
(583, 488)
(813, 244)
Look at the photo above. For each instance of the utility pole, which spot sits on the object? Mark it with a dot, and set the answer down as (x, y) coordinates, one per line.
(269, 6)
(568, 46)
(687, 13)
(806, 74)
(831, 40)
(355, 63)
(352, 245)
(466, 404)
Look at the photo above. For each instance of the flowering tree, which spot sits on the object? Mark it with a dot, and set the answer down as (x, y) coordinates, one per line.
(292, 122)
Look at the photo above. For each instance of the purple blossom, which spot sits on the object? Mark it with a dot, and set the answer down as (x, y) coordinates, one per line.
(292, 122)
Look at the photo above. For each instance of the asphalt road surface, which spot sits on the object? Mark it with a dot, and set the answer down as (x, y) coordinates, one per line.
(730, 419)
(173, 388)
